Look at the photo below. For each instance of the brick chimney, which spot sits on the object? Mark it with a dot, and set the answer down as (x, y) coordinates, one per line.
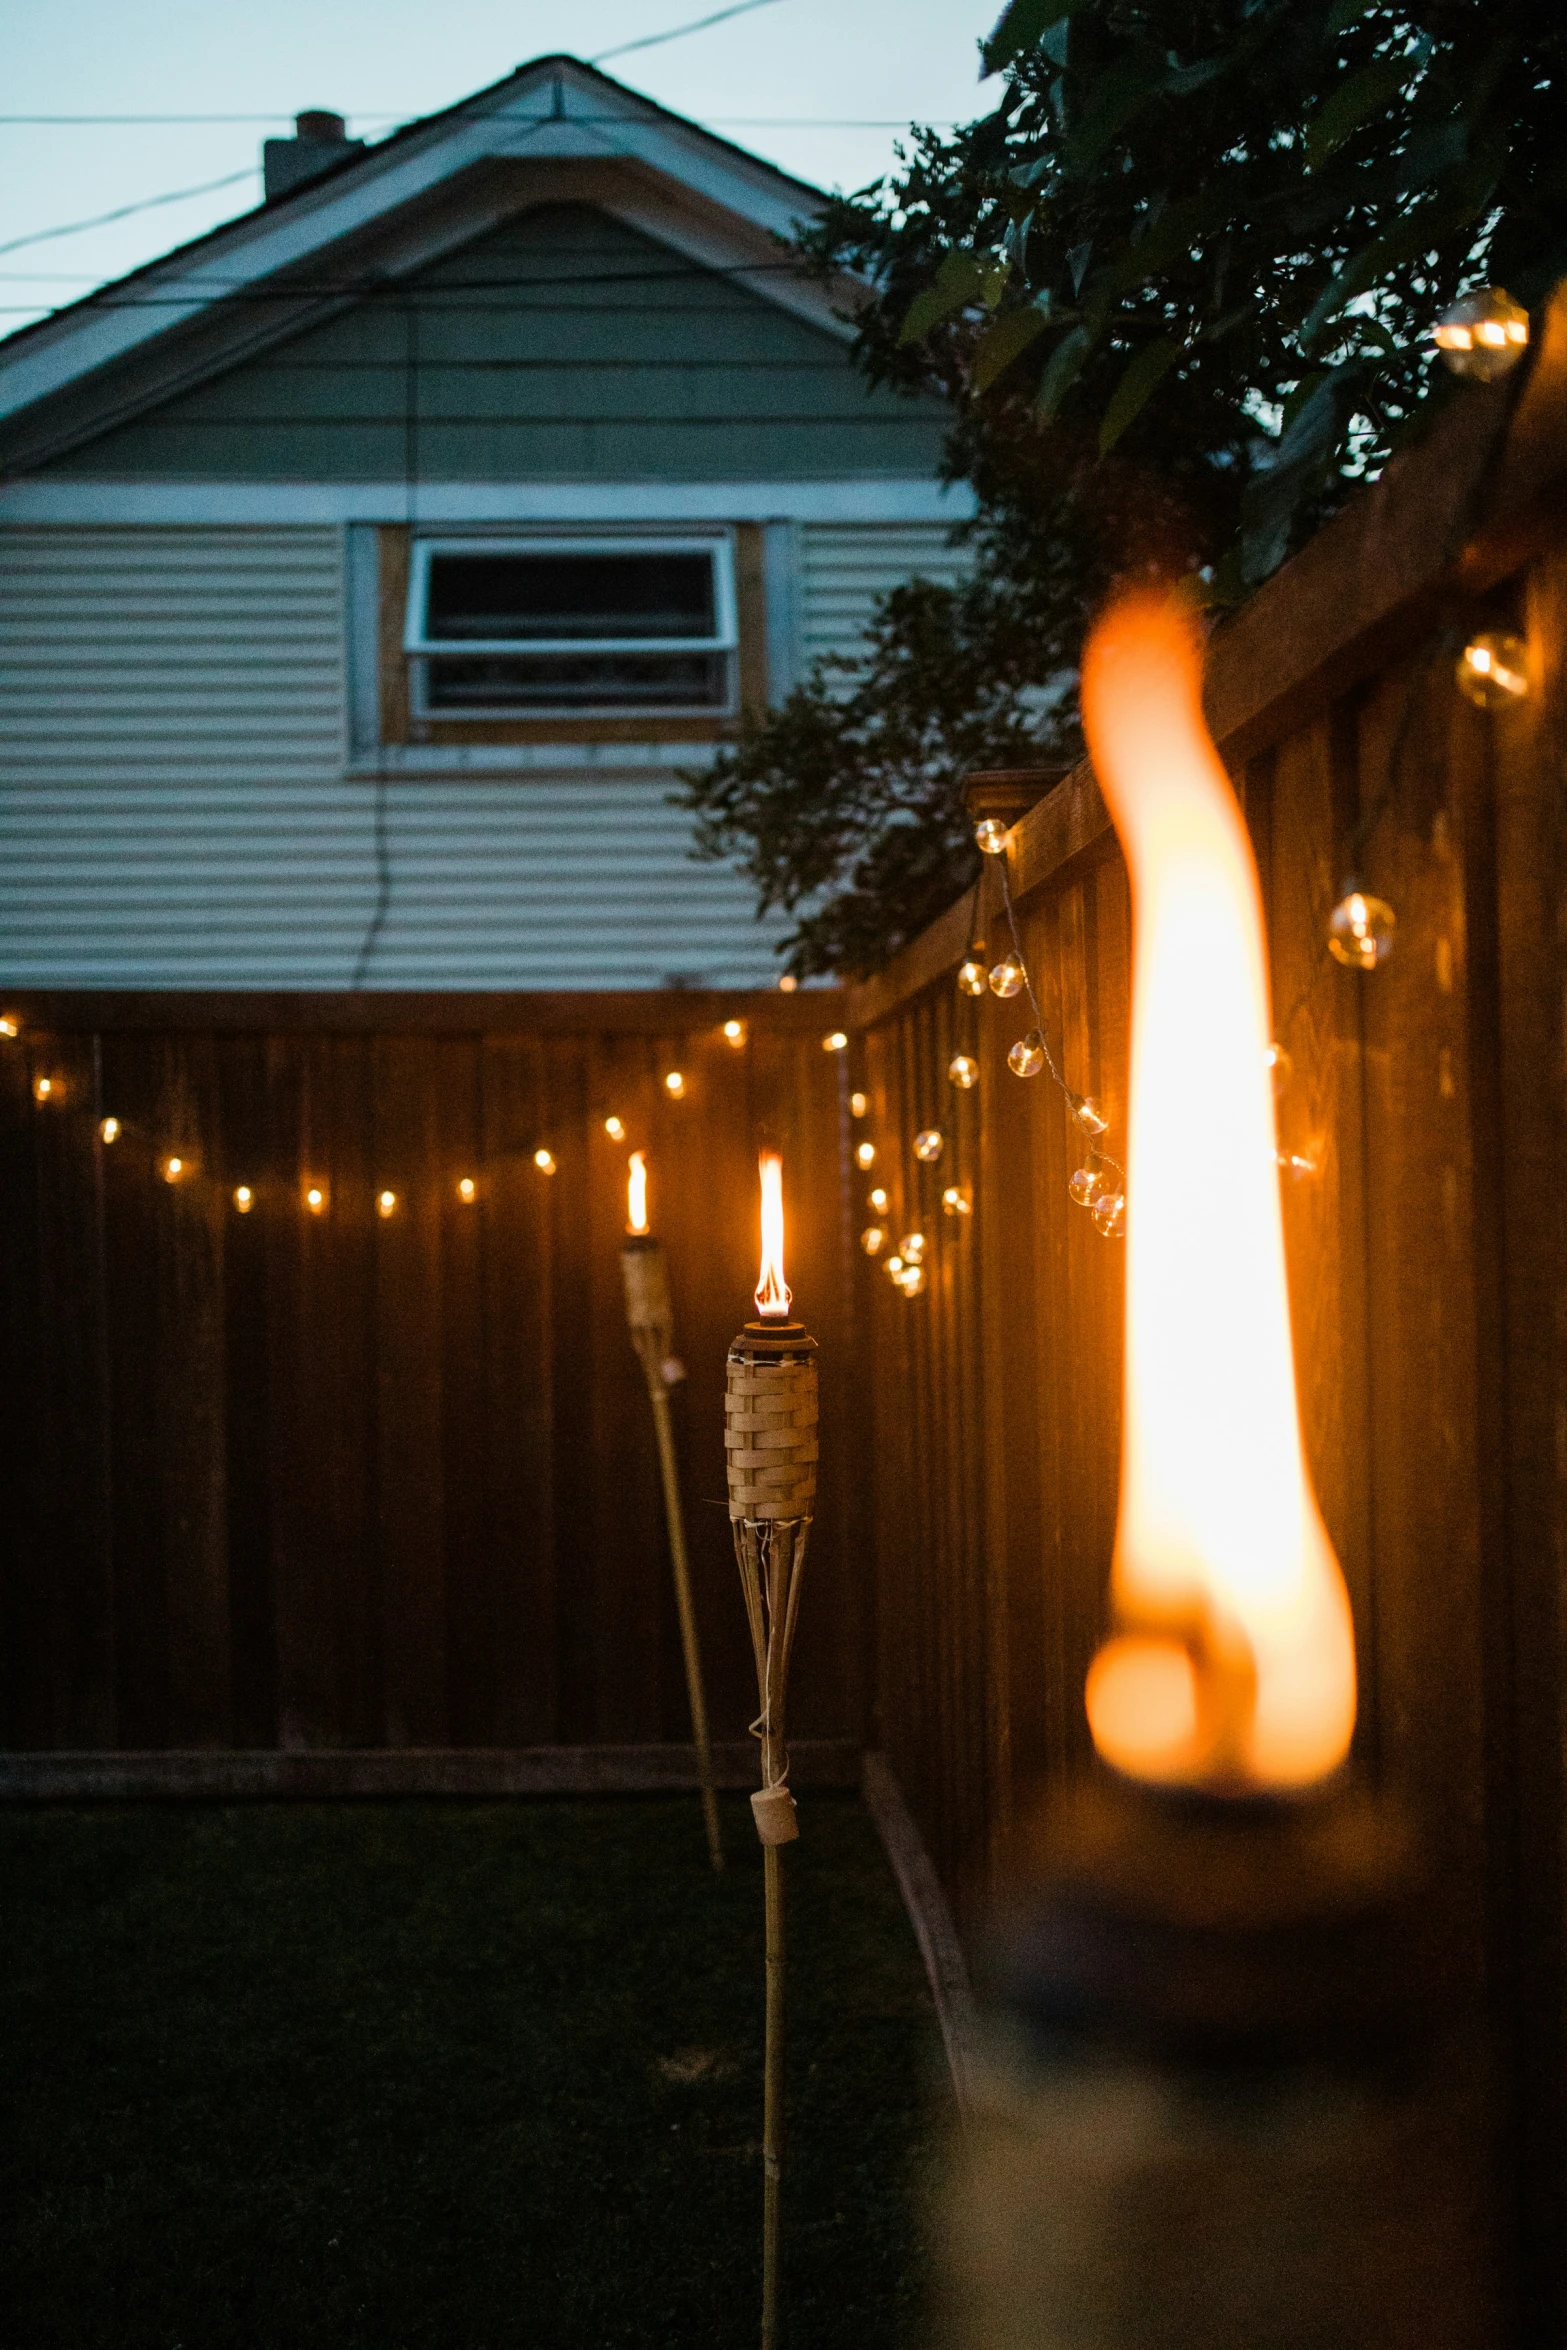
(320, 140)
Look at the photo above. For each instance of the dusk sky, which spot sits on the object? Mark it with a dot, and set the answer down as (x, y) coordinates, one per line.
(821, 87)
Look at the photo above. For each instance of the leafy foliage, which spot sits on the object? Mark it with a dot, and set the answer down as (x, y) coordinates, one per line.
(1178, 285)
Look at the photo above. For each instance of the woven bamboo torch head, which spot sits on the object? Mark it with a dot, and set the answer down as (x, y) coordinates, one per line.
(770, 1400)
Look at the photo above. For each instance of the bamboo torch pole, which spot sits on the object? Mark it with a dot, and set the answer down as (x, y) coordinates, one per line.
(651, 1319)
(770, 1424)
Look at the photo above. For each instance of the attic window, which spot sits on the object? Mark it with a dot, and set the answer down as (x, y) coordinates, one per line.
(571, 627)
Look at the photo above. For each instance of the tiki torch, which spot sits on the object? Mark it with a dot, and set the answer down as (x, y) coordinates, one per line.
(1223, 2109)
(770, 1417)
(648, 1311)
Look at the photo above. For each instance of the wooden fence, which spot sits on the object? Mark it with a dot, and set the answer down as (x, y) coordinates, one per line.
(1425, 1247)
(339, 1479)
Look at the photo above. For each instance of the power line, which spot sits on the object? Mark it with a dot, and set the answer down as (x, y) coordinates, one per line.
(818, 122)
(679, 31)
(71, 228)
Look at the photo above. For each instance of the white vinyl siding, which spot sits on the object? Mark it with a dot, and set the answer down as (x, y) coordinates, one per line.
(846, 566)
(177, 811)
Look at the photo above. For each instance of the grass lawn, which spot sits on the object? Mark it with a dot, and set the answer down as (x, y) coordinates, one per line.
(465, 2075)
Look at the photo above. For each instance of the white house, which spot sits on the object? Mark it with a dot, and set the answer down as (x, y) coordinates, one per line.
(368, 566)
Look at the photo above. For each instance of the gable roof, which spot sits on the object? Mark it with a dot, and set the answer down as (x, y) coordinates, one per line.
(388, 211)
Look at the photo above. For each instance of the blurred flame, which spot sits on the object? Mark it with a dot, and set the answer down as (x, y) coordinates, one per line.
(772, 1291)
(636, 1193)
(1233, 1663)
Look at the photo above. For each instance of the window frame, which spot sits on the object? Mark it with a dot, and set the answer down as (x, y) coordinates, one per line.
(420, 650)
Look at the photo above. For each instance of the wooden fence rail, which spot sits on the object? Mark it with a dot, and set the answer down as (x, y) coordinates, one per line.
(1425, 1247)
(284, 1478)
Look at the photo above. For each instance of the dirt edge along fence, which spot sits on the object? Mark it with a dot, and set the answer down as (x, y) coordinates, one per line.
(1424, 1232)
(291, 1473)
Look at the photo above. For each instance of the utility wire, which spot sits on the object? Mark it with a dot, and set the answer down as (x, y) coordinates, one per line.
(71, 228)
(679, 31)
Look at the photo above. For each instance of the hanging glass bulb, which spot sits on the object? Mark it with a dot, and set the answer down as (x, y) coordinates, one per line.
(864, 1155)
(963, 1071)
(1027, 1056)
(43, 1089)
(859, 1104)
(1088, 1114)
(1360, 930)
(971, 972)
(244, 1198)
(467, 1190)
(872, 1240)
(929, 1144)
(386, 1203)
(878, 1200)
(615, 1128)
(10, 1025)
(912, 1247)
(836, 1043)
(109, 1129)
(734, 1033)
(1295, 1164)
(1109, 1214)
(1277, 1061)
(544, 1160)
(1085, 1186)
(912, 1280)
(675, 1086)
(990, 836)
(315, 1196)
(893, 1267)
(1007, 977)
(173, 1170)
(1493, 670)
(955, 1200)
(1483, 335)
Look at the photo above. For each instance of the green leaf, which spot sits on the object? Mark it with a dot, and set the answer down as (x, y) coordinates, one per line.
(1020, 27)
(1004, 339)
(959, 281)
(1109, 104)
(1135, 389)
(1062, 371)
(1362, 94)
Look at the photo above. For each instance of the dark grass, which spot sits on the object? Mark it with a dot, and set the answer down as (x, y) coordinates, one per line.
(466, 2075)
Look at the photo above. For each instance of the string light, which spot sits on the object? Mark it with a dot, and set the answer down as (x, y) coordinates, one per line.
(1085, 1185)
(1027, 1056)
(315, 1199)
(963, 1071)
(467, 1190)
(872, 1239)
(675, 1086)
(1360, 930)
(1008, 976)
(912, 1247)
(1087, 1113)
(1483, 335)
(893, 1267)
(787, 983)
(878, 1200)
(9, 1024)
(244, 1199)
(43, 1089)
(1283, 1068)
(859, 1104)
(173, 1170)
(1493, 670)
(836, 1043)
(734, 1033)
(990, 836)
(1296, 1164)
(1109, 1214)
(955, 1200)
(386, 1203)
(972, 976)
(545, 1161)
(108, 1129)
(615, 1129)
(864, 1155)
(912, 1280)
(929, 1144)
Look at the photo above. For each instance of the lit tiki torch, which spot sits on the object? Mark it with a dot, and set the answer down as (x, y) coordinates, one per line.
(1215, 2117)
(770, 1417)
(649, 1313)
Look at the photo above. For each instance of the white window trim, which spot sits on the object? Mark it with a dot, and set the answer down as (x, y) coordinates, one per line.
(724, 639)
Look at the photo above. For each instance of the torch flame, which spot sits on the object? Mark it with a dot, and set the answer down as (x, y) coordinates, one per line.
(772, 1290)
(1233, 1664)
(636, 1193)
